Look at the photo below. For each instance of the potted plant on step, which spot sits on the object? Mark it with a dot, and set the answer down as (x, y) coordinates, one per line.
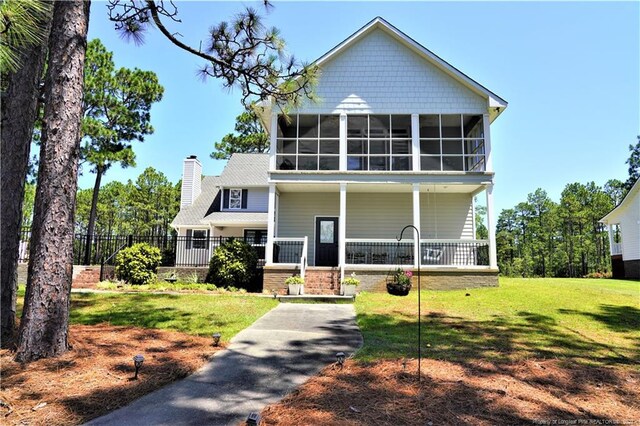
(295, 284)
(349, 285)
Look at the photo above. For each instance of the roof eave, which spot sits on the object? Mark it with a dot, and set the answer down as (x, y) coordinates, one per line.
(623, 204)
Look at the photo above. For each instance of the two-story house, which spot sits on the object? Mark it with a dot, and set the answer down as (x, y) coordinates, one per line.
(399, 137)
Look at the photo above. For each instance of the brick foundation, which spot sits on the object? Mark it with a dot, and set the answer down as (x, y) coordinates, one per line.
(632, 269)
(454, 279)
(325, 281)
(274, 276)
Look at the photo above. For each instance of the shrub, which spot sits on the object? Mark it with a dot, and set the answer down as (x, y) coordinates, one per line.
(233, 264)
(599, 274)
(137, 264)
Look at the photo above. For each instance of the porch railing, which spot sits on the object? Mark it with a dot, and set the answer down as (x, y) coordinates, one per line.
(454, 252)
(378, 252)
(432, 252)
(289, 250)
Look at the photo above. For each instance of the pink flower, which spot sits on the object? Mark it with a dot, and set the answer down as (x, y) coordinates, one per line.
(408, 273)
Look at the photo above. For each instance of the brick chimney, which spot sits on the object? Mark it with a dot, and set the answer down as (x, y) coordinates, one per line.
(191, 179)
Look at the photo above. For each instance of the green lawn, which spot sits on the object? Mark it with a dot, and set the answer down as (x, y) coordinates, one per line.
(190, 313)
(592, 321)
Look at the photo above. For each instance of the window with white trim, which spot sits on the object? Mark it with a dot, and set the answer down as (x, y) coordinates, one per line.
(235, 199)
(197, 238)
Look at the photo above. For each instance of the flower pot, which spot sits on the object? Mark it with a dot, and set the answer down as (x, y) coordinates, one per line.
(398, 289)
(294, 289)
(349, 290)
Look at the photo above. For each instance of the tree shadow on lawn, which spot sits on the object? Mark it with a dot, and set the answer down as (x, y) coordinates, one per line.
(615, 317)
(498, 340)
(497, 371)
(137, 310)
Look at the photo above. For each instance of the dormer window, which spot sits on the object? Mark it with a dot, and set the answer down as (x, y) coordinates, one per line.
(235, 198)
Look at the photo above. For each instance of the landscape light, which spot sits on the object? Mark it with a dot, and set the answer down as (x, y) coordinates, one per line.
(253, 419)
(340, 358)
(137, 362)
(216, 338)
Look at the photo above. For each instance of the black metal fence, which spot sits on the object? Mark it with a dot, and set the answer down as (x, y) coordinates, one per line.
(176, 250)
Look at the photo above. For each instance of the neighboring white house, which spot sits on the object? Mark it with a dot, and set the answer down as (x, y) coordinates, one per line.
(399, 137)
(624, 235)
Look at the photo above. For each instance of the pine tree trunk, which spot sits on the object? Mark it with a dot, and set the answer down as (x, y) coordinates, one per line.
(19, 109)
(45, 317)
(92, 215)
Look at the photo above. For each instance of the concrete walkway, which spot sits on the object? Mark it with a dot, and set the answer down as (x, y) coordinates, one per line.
(262, 364)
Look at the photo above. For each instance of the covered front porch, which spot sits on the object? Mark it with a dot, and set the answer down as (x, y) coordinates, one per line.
(355, 226)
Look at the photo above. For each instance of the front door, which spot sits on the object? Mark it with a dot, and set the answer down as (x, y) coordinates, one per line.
(326, 241)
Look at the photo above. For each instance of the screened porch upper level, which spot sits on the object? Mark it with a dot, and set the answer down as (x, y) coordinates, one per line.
(380, 143)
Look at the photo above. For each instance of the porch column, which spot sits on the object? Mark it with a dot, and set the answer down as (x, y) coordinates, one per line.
(273, 134)
(415, 142)
(342, 229)
(493, 258)
(342, 164)
(487, 143)
(271, 215)
(611, 239)
(416, 223)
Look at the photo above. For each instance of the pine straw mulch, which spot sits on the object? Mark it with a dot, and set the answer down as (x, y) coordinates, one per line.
(478, 393)
(95, 377)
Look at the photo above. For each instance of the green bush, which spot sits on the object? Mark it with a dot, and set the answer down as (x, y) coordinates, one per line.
(233, 264)
(137, 264)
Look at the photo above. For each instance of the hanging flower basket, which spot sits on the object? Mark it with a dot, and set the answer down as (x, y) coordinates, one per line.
(399, 284)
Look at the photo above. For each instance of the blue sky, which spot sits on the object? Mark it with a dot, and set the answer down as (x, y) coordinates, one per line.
(570, 72)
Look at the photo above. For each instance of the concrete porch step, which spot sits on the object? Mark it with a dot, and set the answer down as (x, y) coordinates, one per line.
(320, 298)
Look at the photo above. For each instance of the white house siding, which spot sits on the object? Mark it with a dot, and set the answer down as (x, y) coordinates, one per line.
(378, 74)
(229, 231)
(630, 229)
(383, 215)
(297, 212)
(190, 256)
(446, 216)
(257, 200)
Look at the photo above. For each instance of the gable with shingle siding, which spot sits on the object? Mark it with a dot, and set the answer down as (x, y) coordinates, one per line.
(378, 74)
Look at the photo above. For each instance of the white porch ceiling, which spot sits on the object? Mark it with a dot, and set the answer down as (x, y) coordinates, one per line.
(379, 187)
